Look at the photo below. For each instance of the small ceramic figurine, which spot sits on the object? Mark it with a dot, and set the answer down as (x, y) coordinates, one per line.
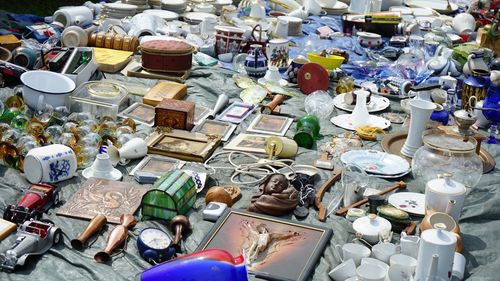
(275, 197)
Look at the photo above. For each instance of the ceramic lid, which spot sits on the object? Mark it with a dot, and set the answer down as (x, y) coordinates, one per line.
(444, 184)
(371, 225)
(439, 236)
(368, 35)
(437, 140)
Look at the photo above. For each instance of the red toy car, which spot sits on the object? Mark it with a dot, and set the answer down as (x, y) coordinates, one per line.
(37, 200)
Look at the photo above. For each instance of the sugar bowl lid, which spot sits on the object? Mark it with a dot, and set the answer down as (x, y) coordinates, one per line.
(371, 225)
(445, 185)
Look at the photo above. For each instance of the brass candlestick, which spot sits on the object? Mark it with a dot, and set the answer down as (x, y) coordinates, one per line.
(94, 226)
(116, 237)
(179, 225)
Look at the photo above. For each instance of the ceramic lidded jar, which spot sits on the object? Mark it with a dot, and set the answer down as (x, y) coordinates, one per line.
(446, 153)
(439, 192)
(50, 164)
(371, 227)
(256, 62)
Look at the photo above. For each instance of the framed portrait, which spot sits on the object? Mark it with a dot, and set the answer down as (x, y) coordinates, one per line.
(270, 124)
(213, 127)
(273, 248)
(236, 112)
(156, 165)
(183, 145)
(248, 143)
(200, 113)
(141, 113)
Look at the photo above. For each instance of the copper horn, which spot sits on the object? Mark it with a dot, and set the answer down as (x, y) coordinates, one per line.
(94, 226)
(116, 238)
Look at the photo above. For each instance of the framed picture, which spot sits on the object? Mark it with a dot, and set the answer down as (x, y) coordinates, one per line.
(236, 112)
(213, 127)
(183, 145)
(142, 113)
(200, 113)
(248, 143)
(156, 165)
(270, 124)
(273, 248)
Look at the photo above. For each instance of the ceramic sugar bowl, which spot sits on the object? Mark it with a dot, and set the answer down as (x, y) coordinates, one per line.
(372, 227)
(443, 190)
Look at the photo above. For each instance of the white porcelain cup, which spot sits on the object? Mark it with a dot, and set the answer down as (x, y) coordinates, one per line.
(459, 266)
(281, 30)
(409, 262)
(207, 26)
(464, 23)
(398, 273)
(375, 262)
(133, 149)
(371, 272)
(50, 164)
(409, 245)
(353, 251)
(78, 15)
(343, 271)
(358, 6)
(384, 251)
(257, 11)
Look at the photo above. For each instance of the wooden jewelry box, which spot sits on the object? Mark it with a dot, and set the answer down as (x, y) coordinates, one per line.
(162, 90)
(167, 55)
(176, 114)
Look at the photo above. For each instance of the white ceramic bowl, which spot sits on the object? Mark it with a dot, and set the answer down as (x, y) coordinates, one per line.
(46, 86)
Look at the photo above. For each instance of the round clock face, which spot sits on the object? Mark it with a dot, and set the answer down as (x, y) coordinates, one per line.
(155, 238)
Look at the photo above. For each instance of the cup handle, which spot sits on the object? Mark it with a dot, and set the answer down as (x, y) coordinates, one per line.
(338, 251)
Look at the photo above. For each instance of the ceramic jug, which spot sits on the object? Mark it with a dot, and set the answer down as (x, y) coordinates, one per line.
(256, 62)
(436, 242)
(360, 116)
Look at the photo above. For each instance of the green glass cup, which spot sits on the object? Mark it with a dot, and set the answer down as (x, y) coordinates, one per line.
(307, 131)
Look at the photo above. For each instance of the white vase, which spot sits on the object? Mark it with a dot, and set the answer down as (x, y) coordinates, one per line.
(421, 111)
(360, 116)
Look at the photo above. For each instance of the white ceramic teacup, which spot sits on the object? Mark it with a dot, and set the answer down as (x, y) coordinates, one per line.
(384, 251)
(343, 271)
(406, 261)
(353, 251)
(257, 11)
(371, 272)
(409, 245)
(281, 30)
(398, 273)
(375, 262)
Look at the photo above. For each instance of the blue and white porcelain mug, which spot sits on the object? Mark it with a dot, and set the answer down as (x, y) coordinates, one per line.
(50, 164)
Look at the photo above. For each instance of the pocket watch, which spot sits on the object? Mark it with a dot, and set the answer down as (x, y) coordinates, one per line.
(154, 245)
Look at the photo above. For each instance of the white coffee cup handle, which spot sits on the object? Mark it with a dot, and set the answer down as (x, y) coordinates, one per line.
(338, 249)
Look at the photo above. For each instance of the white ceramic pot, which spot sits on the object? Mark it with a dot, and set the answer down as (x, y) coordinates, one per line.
(439, 192)
(46, 87)
(371, 227)
(436, 242)
(79, 15)
(464, 23)
(50, 164)
(369, 39)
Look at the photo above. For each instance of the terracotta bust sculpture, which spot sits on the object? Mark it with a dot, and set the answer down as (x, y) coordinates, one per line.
(275, 197)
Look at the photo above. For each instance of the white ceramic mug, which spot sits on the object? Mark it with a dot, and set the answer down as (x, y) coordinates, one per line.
(409, 245)
(458, 269)
(277, 53)
(406, 261)
(281, 30)
(398, 273)
(353, 251)
(371, 272)
(375, 262)
(384, 251)
(343, 271)
(50, 164)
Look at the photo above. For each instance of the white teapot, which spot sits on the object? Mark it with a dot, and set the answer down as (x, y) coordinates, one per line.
(443, 190)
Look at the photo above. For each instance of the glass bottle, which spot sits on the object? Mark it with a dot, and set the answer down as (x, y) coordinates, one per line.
(307, 131)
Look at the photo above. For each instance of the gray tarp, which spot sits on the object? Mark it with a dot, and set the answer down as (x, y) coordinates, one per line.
(479, 223)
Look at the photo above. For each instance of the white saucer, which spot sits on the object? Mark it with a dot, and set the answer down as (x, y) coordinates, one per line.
(344, 121)
(264, 82)
(376, 103)
(197, 17)
(114, 174)
(410, 202)
(163, 14)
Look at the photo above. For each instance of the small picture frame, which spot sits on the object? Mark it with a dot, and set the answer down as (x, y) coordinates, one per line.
(200, 113)
(236, 112)
(180, 144)
(291, 251)
(156, 165)
(248, 143)
(214, 127)
(270, 124)
(141, 113)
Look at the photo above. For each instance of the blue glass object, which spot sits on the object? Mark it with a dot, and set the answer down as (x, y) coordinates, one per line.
(492, 101)
(206, 265)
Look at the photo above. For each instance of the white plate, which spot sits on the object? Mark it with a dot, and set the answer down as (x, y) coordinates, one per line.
(164, 14)
(377, 103)
(198, 16)
(344, 121)
(437, 5)
(410, 202)
(120, 6)
(376, 162)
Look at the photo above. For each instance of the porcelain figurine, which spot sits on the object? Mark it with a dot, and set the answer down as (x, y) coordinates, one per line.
(256, 62)
(275, 197)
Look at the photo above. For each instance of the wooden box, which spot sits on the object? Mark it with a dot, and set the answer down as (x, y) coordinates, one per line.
(176, 114)
(167, 55)
(162, 90)
(173, 194)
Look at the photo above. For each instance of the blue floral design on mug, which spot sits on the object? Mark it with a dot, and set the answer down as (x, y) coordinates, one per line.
(58, 169)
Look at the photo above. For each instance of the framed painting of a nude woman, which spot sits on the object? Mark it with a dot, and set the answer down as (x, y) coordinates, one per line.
(273, 248)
